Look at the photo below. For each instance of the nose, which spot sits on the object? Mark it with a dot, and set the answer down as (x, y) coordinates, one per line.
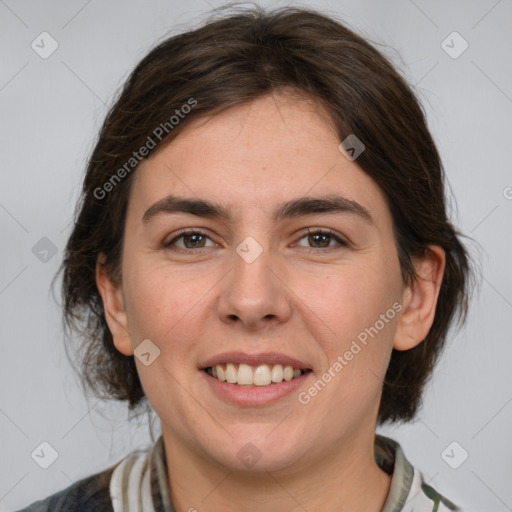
(254, 294)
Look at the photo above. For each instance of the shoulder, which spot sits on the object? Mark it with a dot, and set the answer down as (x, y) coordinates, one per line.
(424, 497)
(89, 494)
(140, 477)
(408, 491)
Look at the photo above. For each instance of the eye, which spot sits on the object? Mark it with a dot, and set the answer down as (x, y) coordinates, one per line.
(191, 241)
(321, 239)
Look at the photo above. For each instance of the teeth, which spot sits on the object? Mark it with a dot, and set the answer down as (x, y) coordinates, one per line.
(246, 375)
(277, 373)
(288, 373)
(262, 375)
(230, 373)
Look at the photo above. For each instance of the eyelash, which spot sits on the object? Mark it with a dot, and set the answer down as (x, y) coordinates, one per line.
(328, 232)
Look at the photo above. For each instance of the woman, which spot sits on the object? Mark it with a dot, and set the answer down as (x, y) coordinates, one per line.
(262, 252)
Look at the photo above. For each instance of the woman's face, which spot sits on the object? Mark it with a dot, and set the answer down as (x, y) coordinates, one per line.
(267, 277)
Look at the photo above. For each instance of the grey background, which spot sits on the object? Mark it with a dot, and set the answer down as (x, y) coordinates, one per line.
(51, 110)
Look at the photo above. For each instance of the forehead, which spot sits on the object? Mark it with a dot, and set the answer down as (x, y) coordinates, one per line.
(256, 155)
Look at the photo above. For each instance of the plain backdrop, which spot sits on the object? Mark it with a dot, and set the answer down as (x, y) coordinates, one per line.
(51, 110)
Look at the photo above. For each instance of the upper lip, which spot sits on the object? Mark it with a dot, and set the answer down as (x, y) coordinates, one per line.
(269, 358)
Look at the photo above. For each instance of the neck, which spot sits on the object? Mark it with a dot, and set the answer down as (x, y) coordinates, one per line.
(343, 480)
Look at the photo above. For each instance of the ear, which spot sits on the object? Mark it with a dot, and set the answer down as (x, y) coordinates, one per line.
(114, 307)
(419, 299)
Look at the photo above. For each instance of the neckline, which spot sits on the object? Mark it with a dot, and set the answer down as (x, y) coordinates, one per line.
(388, 454)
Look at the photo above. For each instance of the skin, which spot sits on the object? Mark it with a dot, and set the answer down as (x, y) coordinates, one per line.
(298, 298)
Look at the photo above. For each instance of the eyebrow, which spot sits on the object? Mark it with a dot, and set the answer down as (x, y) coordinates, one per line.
(291, 209)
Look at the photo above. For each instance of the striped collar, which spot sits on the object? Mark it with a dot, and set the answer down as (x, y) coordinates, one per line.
(139, 482)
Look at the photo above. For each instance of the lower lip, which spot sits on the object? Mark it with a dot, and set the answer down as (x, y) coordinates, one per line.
(251, 396)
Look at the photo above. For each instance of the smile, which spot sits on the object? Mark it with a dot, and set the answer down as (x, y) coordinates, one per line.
(249, 375)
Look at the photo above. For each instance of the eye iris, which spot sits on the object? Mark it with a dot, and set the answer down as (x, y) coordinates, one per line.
(315, 238)
(196, 237)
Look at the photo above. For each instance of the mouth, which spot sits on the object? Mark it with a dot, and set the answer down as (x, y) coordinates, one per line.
(250, 380)
(261, 375)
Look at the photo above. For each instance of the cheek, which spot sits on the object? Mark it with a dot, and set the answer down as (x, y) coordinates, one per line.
(163, 304)
(359, 308)
(353, 300)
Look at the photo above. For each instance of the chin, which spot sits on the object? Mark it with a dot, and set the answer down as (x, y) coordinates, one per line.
(254, 450)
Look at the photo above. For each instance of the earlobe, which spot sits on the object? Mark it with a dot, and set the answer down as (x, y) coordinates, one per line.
(419, 299)
(114, 307)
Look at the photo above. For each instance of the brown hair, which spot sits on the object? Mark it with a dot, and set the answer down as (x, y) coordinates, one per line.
(234, 59)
